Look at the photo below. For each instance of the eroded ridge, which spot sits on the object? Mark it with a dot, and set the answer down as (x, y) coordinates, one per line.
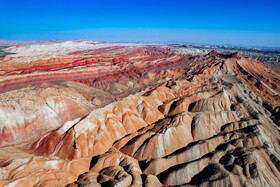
(212, 120)
(93, 63)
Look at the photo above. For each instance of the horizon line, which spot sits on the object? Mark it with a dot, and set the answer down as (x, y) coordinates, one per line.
(147, 42)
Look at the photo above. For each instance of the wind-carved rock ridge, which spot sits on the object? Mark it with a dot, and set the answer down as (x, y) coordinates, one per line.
(215, 122)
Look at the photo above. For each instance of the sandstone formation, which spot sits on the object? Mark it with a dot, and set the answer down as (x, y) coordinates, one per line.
(137, 116)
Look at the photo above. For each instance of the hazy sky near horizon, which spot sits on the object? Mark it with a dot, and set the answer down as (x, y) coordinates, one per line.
(237, 22)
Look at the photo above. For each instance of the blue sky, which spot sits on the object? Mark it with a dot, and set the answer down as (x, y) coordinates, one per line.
(238, 22)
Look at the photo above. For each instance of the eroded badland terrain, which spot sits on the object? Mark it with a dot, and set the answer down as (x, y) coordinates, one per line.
(84, 113)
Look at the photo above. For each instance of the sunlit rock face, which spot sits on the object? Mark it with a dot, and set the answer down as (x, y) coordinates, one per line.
(137, 116)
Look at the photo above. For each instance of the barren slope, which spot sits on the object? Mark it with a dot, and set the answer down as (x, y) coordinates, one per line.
(154, 118)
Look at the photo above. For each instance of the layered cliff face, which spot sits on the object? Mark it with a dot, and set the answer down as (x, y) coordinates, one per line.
(158, 119)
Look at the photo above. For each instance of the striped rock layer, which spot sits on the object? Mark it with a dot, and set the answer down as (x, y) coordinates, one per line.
(175, 120)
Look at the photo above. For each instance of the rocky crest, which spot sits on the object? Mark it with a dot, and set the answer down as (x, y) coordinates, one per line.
(147, 116)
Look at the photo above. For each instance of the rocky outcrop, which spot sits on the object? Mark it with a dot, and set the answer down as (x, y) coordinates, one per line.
(205, 120)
